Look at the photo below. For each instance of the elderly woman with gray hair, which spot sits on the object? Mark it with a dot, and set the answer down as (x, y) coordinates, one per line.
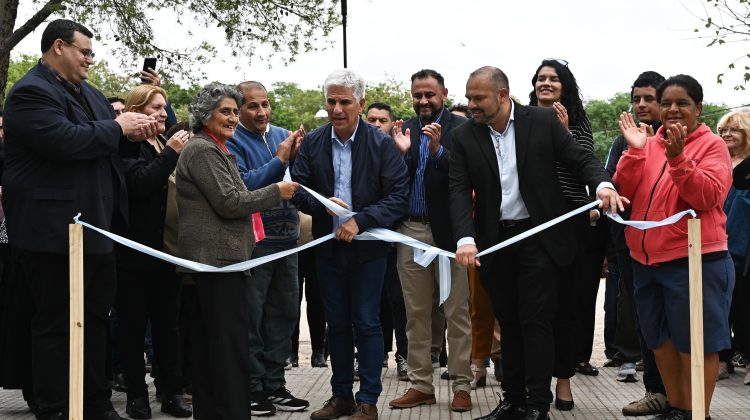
(215, 228)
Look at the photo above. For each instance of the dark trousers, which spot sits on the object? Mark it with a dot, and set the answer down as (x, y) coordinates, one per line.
(651, 376)
(188, 306)
(522, 283)
(221, 381)
(48, 277)
(307, 276)
(627, 341)
(611, 291)
(574, 323)
(392, 309)
(351, 297)
(155, 296)
(740, 312)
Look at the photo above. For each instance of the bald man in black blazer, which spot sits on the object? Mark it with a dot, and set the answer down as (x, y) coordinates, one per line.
(507, 156)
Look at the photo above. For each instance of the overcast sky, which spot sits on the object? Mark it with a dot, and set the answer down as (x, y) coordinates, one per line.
(607, 43)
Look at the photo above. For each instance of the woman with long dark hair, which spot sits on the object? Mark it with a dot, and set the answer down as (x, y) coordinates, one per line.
(556, 87)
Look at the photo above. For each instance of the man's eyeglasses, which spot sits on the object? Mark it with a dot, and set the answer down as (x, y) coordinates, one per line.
(559, 60)
(87, 53)
(727, 130)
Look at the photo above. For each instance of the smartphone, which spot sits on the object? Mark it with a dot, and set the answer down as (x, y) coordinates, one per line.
(149, 63)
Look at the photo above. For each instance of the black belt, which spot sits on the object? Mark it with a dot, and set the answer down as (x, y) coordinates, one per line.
(515, 223)
(419, 219)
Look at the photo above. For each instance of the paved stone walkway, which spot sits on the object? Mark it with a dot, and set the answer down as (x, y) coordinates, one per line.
(596, 398)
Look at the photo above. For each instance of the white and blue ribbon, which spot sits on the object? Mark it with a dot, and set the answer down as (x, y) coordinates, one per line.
(424, 254)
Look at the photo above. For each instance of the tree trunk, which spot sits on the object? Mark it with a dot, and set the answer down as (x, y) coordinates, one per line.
(8, 12)
(10, 38)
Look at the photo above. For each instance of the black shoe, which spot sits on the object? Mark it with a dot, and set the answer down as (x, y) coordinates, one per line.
(564, 405)
(118, 383)
(260, 406)
(293, 360)
(447, 375)
(318, 359)
(385, 360)
(585, 368)
(112, 415)
(54, 416)
(536, 414)
(505, 411)
(499, 370)
(283, 400)
(175, 406)
(138, 408)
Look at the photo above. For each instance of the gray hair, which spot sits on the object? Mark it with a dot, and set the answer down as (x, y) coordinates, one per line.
(347, 79)
(206, 101)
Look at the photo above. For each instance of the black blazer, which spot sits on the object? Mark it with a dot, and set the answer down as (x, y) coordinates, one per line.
(435, 177)
(380, 190)
(60, 161)
(540, 142)
(147, 176)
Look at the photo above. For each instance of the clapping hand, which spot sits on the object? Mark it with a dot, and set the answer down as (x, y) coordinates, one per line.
(136, 126)
(433, 133)
(675, 140)
(562, 113)
(402, 139)
(635, 135)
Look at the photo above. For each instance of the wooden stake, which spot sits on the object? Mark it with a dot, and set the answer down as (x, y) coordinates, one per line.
(697, 383)
(75, 395)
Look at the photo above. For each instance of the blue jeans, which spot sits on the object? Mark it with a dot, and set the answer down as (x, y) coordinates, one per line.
(272, 296)
(351, 294)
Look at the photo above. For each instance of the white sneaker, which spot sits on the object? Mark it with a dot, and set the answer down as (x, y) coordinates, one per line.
(627, 373)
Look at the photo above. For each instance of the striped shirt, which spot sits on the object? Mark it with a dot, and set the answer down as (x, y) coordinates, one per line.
(418, 201)
(572, 188)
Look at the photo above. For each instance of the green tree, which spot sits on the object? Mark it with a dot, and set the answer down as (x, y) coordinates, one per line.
(110, 83)
(293, 106)
(395, 95)
(287, 26)
(604, 116)
(727, 21)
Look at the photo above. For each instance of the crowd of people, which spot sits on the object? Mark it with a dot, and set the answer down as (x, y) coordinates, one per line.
(224, 187)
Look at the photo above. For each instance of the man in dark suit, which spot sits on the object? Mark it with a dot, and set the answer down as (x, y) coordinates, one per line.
(359, 166)
(62, 144)
(507, 157)
(427, 149)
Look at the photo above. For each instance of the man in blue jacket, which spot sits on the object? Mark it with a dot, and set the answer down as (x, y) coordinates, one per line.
(263, 153)
(359, 167)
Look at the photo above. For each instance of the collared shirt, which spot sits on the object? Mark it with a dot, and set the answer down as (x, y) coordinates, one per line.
(418, 201)
(512, 206)
(342, 171)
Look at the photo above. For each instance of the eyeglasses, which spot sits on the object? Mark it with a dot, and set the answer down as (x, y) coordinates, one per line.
(727, 130)
(87, 53)
(559, 60)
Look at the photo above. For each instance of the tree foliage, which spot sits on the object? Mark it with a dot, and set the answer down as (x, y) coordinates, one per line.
(287, 27)
(293, 105)
(727, 21)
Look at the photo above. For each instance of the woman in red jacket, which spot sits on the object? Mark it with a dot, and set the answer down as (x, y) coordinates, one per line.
(684, 166)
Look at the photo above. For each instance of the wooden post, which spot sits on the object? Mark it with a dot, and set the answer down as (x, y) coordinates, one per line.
(75, 396)
(697, 383)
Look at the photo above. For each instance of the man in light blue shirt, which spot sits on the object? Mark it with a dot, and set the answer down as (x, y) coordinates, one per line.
(359, 167)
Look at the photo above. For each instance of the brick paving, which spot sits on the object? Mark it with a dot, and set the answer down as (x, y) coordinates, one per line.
(596, 398)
